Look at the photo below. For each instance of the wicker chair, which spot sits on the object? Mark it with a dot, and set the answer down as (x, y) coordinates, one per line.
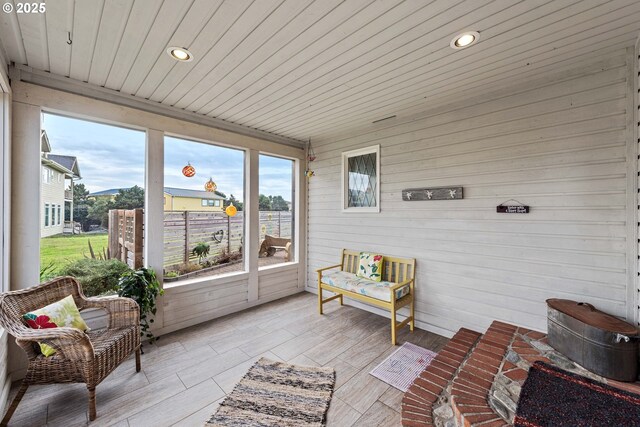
(80, 357)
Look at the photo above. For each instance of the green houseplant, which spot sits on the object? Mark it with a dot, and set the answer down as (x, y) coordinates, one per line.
(143, 287)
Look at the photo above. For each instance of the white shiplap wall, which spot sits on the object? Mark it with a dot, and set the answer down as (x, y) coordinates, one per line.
(559, 144)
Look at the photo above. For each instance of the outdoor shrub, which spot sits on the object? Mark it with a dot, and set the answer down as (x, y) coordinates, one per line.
(96, 276)
(47, 272)
(188, 267)
(201, 251)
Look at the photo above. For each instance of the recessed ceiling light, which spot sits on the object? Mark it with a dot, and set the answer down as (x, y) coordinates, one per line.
(180, 54)
(465, 39)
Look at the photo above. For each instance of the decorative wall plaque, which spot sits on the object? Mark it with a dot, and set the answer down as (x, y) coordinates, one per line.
(518, 209)
(508, 207)
(433, 193)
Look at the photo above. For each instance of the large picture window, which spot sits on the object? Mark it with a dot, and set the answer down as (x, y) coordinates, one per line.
(92, 180)
(361, 180)
(201, 238)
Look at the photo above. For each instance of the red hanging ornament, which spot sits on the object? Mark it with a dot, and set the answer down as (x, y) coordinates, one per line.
(210, 186)
(188, 170)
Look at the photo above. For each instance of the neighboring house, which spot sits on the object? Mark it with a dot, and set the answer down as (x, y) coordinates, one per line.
(181, 199)
(105, 194)
(178, 199)
(58, 175)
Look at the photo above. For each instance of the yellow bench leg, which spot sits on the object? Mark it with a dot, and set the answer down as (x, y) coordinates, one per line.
(412, 313)
(393, 323)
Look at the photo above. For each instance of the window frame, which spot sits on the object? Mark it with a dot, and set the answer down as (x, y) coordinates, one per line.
(47, 216)
(373, 149)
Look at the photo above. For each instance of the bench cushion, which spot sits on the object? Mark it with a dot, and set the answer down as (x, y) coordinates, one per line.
(360, 285)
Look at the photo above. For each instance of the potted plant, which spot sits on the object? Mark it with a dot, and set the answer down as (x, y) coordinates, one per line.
(143, 287)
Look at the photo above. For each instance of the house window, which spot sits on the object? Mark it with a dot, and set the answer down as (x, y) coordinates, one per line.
(46, 176)
(59, 213)
(361, 180)
(46, 214)
(53, 214)
(211, 203)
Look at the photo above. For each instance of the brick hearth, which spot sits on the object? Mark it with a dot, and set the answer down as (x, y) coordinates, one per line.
(476, 379)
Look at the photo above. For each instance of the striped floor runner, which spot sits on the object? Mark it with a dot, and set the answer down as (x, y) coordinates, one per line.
(278, 394)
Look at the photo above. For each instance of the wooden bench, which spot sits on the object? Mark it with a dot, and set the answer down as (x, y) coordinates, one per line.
(271, 244)
(399, 272)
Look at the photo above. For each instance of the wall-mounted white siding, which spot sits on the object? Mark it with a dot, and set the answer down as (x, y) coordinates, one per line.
(185, 306)
(279, 281)
(559, 144)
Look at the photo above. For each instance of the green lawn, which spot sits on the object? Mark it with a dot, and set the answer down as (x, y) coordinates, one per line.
(61, 249)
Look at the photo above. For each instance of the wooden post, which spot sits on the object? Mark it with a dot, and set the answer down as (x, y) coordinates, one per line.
(114, 251)
(122, 235)
(228, 234)
(186, 237)
(138, 235)
(279, 223)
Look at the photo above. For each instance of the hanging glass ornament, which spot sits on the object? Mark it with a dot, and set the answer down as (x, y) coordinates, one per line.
(210, 186)
(231, 210)
(188, 171)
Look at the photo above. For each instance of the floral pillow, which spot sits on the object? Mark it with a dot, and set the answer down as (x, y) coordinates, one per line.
(370, 266)
(63, 313)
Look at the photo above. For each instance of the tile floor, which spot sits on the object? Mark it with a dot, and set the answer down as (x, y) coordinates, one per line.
(187, 373)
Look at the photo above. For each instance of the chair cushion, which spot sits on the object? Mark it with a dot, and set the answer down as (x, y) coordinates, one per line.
(370, 266)
(63, 313)
(360, 285)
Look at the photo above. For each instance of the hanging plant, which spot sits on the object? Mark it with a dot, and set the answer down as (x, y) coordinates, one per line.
(210, 186)
(188, 171)
(143, 287)
(311, 156)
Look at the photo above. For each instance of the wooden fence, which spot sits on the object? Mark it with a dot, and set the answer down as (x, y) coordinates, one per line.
(183, 230)
(126, 236)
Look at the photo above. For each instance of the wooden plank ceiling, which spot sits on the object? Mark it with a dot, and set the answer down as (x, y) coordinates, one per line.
(309, 69)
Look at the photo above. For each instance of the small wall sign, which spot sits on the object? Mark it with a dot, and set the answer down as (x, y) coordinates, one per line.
(433, 193)
(518, 208)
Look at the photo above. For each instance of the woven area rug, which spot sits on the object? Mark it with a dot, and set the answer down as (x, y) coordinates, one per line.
(278, 394)
(403, 366)
(553, 397)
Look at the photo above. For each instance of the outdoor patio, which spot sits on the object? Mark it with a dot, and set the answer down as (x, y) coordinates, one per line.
(187, 373)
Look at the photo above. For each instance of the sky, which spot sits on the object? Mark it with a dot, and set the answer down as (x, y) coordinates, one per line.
(113, 157)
